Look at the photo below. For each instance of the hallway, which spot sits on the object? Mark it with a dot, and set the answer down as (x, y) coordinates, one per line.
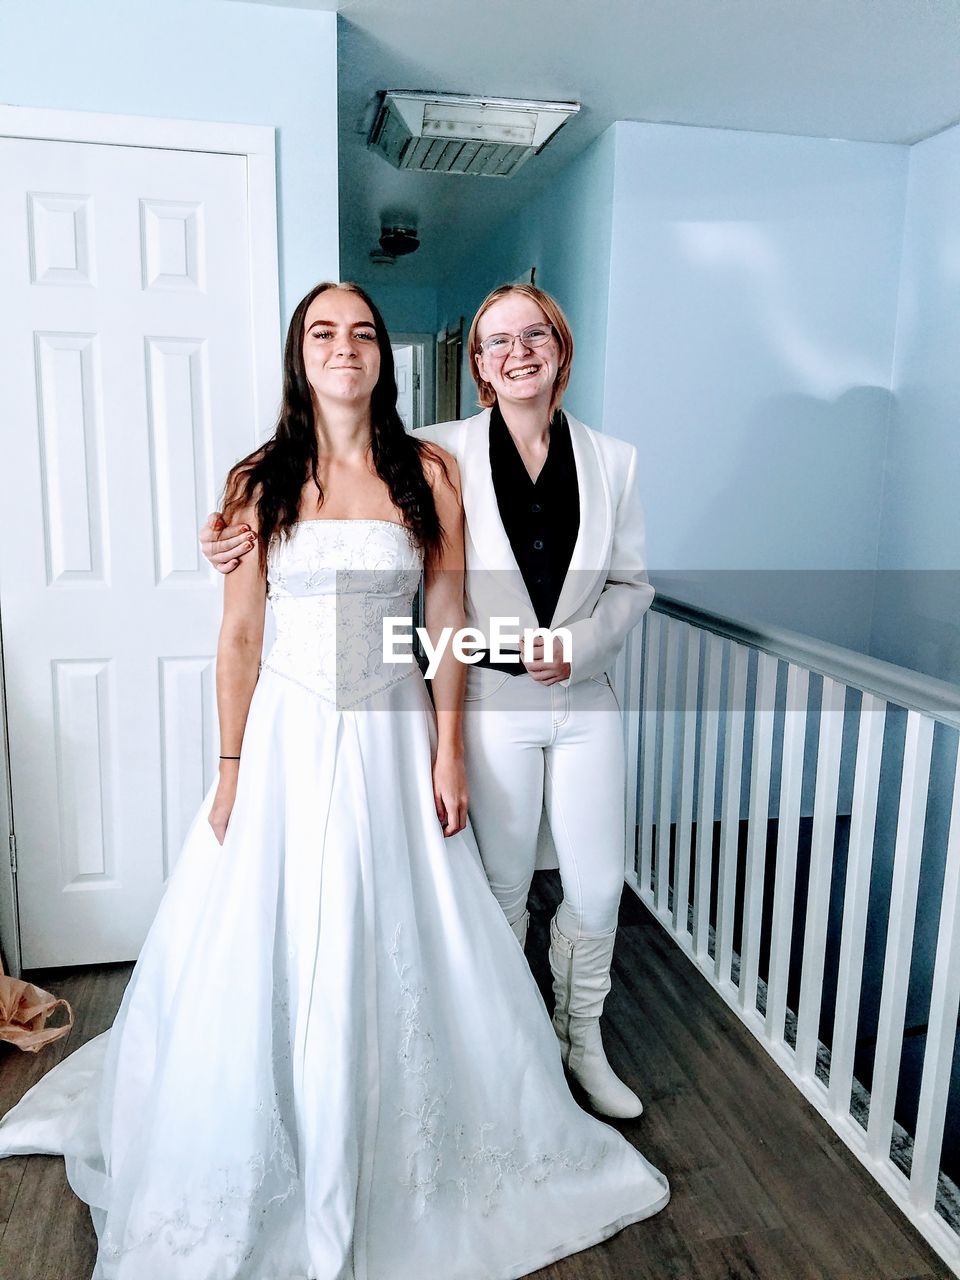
(762, 1188)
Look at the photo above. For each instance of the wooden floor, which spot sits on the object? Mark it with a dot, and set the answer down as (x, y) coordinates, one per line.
(762, 1189)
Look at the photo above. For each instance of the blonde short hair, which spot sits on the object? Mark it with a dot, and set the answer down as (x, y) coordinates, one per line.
(561, 327)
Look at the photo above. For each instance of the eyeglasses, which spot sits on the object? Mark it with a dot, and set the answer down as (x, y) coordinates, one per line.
(499, 344)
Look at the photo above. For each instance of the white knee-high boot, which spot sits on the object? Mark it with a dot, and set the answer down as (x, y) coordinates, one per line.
(581, 980)
(519, 927)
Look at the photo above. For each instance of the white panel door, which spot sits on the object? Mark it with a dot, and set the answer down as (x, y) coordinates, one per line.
(125, 341)
(403, 364)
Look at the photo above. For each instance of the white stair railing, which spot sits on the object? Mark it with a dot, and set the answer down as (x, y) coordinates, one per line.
(720, 717)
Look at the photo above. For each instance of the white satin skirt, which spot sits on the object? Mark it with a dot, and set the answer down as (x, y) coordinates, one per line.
(331, 1062)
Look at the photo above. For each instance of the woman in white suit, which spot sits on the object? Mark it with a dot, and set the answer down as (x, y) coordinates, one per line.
(554, 538)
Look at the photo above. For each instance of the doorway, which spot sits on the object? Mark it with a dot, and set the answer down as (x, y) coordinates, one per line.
(449, 349)
(413, 361)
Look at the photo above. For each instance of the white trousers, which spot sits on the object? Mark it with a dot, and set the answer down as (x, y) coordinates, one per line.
(529, 747)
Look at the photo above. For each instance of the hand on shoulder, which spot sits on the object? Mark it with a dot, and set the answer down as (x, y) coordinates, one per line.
(229, 535)
(224, 545)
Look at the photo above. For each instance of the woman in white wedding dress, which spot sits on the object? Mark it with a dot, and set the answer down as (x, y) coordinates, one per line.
(332, 1062)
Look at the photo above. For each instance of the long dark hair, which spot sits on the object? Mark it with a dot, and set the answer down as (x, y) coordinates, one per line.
(274, 474)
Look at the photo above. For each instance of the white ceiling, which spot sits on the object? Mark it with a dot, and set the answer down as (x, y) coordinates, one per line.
(868, 70)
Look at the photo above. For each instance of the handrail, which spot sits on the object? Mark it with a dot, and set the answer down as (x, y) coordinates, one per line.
(707, 721)
(911, 689)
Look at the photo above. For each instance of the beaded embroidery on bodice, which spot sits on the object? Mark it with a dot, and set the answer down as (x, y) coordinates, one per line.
(330, 584)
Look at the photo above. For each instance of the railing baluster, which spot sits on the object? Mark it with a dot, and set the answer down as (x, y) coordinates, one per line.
(788, 826)
(668, 719)
(899, 949)
(688, 750)
(730, 811)
(706, 806)
(942, 1028)
(627, 687)
(757, 829)
(856, 900)
(821, 870)
(648, 745)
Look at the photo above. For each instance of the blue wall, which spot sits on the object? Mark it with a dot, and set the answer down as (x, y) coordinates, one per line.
(921, 517)
(564, 231)
(751, 333)
(752, 312)
(199, 60)
(918, 603)
(405, 308)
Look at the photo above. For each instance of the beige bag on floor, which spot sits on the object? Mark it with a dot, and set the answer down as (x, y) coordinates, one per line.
(24, 1010)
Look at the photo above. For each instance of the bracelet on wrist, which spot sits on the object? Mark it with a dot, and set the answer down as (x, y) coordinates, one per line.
(229, 757)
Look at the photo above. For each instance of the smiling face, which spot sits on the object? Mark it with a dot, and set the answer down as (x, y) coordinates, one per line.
(341, 357)
(524, 375)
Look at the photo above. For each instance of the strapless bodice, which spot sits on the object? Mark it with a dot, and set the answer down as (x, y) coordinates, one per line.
(330, 584)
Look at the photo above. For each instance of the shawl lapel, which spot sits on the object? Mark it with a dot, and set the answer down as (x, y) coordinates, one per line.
(489, 538)
(592, 548)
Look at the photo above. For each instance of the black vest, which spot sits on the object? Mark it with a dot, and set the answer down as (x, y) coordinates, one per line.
(541, 517)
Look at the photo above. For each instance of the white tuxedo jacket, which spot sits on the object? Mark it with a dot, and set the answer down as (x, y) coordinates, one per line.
(605, 592)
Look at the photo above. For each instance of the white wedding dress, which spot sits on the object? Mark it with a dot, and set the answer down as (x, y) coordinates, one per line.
(332, 1062)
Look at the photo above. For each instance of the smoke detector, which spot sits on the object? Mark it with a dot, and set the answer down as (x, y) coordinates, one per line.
(454, 133)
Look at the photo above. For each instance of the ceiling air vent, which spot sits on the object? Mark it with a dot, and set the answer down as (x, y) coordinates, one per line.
(453, 133)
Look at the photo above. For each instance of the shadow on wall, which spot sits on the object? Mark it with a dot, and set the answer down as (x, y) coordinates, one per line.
(790, 537)
(790, 533)
(916, 620)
